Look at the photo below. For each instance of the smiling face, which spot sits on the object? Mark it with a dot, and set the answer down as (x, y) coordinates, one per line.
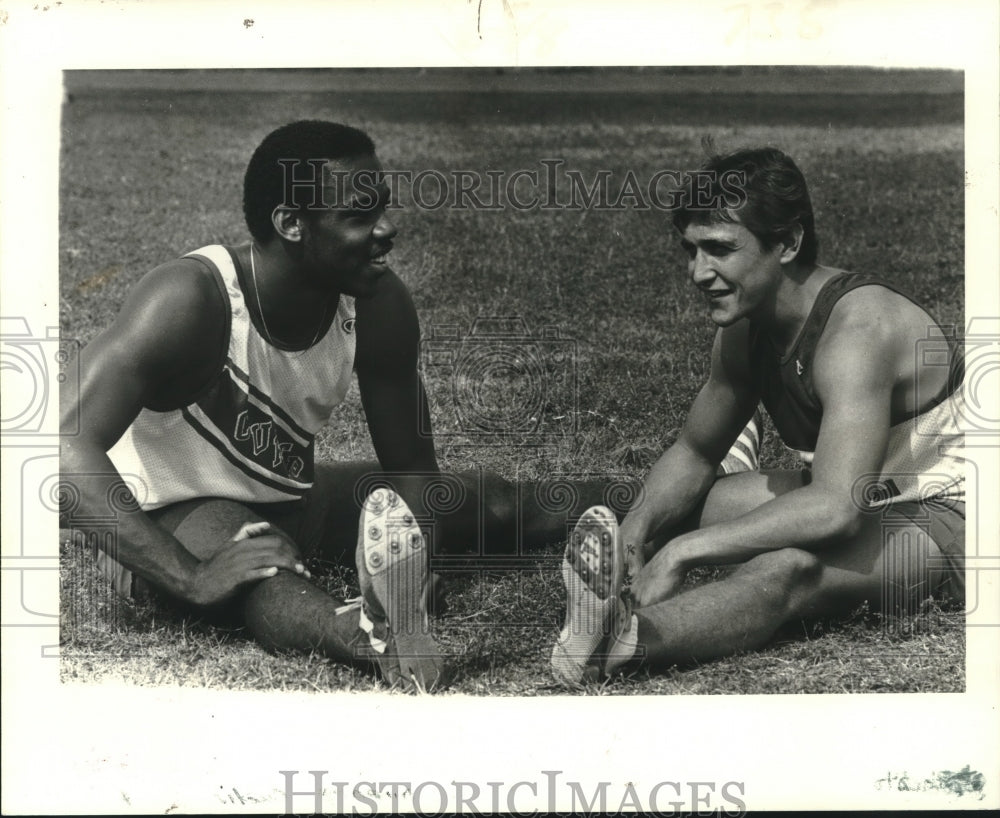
(738, 276)
(343, 245)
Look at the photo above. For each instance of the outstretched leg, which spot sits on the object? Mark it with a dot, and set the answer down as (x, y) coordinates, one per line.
(885, 565)
(474, 513)
(284, 612)
(891, 563)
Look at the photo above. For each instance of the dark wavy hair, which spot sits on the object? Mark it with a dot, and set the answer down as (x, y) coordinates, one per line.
(304, 141)
(773, 195)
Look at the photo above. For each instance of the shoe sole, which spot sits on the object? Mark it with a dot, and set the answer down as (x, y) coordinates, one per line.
(593, 571)
(393, 554)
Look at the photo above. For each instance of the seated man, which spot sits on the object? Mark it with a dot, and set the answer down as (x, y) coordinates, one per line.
(877, 514)
(206, 394)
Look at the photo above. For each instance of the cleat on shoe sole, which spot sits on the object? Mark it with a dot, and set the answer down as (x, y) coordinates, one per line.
(393, 572)
(593, 572)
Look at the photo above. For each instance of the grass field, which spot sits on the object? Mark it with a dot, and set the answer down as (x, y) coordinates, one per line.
(150, 174)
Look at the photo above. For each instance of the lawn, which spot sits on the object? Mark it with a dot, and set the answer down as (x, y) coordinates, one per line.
(147, 175)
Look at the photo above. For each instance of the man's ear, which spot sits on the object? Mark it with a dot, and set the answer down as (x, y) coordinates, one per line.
(791, 243)
(287, 223)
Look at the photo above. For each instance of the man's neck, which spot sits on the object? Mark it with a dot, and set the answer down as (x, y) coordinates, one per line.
(293, 309)
(792, 304)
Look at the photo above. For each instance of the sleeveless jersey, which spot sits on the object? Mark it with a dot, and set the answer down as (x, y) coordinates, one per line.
(249, 435)
(924, 459)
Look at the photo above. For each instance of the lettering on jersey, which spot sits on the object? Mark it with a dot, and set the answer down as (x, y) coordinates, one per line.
(259, 433)
(295, 466)
(293, 463)
(348, 325)
(254, 432)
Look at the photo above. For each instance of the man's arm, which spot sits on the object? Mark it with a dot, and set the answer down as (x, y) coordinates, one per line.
(685, 472)
(854, 375)
(392, 392)
(155, 348)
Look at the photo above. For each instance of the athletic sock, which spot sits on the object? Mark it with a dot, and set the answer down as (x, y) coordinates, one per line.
(377, 636)
(744, 455)
(623, 647)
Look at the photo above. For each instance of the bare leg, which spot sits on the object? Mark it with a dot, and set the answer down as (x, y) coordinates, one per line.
(468, 514)
(288, 613)
(524, 517)
(884, 564)
(285, 612)
(739, 613)
(733, 496)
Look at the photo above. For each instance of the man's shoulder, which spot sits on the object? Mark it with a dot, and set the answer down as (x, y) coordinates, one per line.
(387, 326)
(871, 328)
(185, 292)
(391, 296)
(188, 277)
(731, 352)
(879, 311)
(171, 316)
(172, 329)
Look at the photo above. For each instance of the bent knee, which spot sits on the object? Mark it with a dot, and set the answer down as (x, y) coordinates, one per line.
(205, 526)
(793, 567)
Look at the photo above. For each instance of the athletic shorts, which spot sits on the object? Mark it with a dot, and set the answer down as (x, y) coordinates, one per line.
(944, 522)
(318, 524)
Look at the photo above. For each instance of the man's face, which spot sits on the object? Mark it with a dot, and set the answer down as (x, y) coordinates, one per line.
(344, 244)
(733, 270)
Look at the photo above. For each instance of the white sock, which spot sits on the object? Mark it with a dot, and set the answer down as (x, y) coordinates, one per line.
(378, 645)
(356, 604)
(623, 647)
(744, 454)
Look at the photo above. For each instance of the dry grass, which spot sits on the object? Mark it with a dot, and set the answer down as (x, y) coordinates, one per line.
(147, 176)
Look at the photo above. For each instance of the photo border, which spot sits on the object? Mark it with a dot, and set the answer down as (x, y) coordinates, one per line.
(115, 748)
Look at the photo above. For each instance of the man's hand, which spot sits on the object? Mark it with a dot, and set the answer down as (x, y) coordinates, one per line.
(635, 560)
(251, 555)
(660, 579)
(634, 530)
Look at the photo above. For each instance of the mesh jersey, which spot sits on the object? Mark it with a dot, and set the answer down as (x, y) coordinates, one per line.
(924, 457)
(249, 435)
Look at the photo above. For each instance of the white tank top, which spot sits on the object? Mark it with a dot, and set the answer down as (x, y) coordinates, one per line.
(924, 459)
(250, 435)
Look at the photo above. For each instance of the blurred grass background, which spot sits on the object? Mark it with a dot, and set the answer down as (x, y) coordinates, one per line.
(152, 166)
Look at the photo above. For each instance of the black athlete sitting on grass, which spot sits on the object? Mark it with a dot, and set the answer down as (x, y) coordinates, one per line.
(208, 390)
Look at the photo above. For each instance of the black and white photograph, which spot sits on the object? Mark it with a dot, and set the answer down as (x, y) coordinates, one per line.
(500, 424)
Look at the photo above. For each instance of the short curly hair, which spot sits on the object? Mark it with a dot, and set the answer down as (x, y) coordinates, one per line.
(776, 198)
(298, 142)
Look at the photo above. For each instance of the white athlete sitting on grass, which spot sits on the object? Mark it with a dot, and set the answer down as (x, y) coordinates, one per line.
(831, 355)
